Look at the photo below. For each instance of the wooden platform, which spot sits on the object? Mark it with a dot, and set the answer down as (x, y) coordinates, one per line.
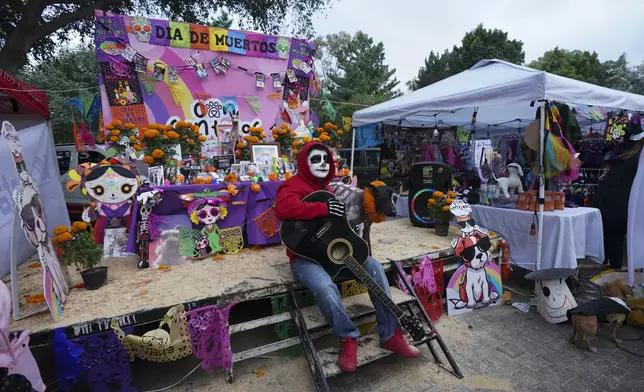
(138, 296)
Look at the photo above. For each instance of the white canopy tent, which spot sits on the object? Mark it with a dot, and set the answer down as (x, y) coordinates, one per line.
(504, 97)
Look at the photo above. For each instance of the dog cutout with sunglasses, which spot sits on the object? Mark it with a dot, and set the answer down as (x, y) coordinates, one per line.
(205, 208)
(477, 282)
(34, 225)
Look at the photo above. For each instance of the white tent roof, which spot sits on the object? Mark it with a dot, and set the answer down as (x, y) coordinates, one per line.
(500, 92)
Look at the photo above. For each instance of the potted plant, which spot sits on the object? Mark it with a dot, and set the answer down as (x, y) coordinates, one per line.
(76, 246)
(438, 206)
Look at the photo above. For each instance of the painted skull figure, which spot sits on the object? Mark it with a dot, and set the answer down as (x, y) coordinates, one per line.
(141, 28)
(555, 300)
(208, 214)
(113, 184)
(319, 163)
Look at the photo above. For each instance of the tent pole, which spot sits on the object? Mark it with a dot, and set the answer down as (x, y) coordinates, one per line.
(353, 147)
(542, 185)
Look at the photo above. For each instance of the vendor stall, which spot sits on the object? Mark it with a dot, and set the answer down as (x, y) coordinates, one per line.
(495, 97)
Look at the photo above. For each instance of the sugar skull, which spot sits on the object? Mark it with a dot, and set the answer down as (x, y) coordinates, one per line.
(111, 184)
(142, 28)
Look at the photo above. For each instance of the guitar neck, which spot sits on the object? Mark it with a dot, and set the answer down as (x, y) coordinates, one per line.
(373, 286)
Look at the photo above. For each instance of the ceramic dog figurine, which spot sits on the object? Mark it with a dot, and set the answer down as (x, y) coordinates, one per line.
(587, 316)
(512, 182)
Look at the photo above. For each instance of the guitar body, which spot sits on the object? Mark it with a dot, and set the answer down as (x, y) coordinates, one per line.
(326, 241)
(331, 243)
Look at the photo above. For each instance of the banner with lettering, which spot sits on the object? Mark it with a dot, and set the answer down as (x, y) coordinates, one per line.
(158, 71)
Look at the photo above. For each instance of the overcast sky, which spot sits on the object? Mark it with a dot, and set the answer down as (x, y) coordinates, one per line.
(410, 29)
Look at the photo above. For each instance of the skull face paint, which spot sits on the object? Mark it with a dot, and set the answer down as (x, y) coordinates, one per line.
(319, 163)
(208, 214)
(113, 186)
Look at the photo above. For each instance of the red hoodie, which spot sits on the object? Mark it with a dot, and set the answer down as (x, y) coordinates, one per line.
(288, 205)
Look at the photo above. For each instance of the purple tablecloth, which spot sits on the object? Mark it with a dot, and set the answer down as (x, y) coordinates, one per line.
(242, 209)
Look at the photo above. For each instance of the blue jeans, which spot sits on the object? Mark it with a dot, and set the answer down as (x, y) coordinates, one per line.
(329, 301)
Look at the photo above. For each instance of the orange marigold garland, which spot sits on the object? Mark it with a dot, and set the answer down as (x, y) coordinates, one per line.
(370, 204)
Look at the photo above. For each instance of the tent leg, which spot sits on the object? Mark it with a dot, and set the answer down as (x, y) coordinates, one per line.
(353, 148)
(542, 185)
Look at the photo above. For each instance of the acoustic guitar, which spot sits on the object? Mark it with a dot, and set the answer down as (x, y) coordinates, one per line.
(331, 243)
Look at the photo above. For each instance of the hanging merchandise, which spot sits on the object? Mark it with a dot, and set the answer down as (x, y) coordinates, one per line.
(190, 62)
(463, 135)
(290, 74)
(559, 155)
(171, 341)
(616, 127)
(172, 74)
(159, 71)
(259, 79)
(140, 63)
(128, 53)
(148, 82)
(225, 64)
(254, 103)
(216, 65)
(277, 80)
(201, 71)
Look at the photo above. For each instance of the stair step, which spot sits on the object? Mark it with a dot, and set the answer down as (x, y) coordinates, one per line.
(369, 350)
(355, 306)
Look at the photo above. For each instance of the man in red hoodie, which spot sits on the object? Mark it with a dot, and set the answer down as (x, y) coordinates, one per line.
(314, 173)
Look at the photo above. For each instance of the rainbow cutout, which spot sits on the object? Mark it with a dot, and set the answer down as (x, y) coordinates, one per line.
(453, 287)
(52, 301)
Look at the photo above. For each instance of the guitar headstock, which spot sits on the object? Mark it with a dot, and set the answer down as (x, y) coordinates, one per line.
(414, 327)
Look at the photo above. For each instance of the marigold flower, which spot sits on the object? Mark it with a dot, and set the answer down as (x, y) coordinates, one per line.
(136, 147)
(306, 139)
(79, 226)
(114, 138)
(275, 136)
(115, 132)
(117, 123)
(449, 200)
(151, 134)
(445, 208)
(451, 194)
(232, 189)
(288, 175)
(272, 176)
(255, 187)
(202, 138)
(295, 151)
(282, 131)
(180, 124)
(238, 153)
(65, 237)
(172, 135)
(284, 126)
(340, 132)
(325, 138)
(295, 143)
(158, 153)
(109, 127)
(129, 125)
(339, 145)
(293, 134)
(254, 139)
(431, 202)
(320, 130)
(241, 145)
(58, 230)
(438, 194)
(148, 159)
(153, 126)
(191, 142)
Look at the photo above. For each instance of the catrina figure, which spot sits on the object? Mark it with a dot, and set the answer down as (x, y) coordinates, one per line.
(204, 209)
(111, 187)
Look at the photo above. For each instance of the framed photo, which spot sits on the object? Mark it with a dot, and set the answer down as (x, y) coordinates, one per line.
(236, 169)
(264, 152)
(155, 175)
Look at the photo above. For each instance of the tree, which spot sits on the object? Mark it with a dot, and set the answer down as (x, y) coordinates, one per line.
(574, 64)
(38, 27)
(222, 20)
(360, 68)
(352, 71)
(476, 45)
(73, 69)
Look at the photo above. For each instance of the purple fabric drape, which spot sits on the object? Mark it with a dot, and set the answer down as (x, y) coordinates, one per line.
(171, 205)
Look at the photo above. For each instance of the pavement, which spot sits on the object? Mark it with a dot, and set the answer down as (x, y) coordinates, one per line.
(498, 349)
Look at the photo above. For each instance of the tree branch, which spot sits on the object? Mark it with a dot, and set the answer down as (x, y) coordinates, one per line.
(64, 19)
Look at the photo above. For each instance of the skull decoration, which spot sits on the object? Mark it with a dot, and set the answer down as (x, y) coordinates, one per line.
(142, 28)
(319, 162)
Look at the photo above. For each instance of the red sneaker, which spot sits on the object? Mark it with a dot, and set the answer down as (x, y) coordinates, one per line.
(348, 360)
(400, 346)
